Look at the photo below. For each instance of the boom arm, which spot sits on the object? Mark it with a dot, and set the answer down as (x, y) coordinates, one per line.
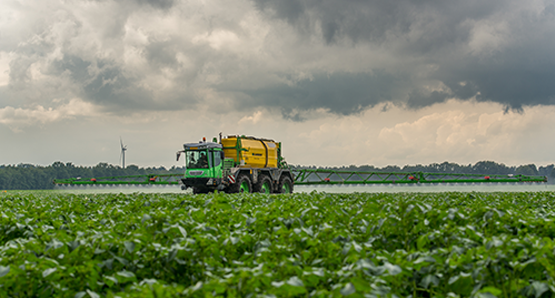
(315, 177)
(319, 177)
(161, 179)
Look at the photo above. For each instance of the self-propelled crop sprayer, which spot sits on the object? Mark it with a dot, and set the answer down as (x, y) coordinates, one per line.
(236, 164)
(249, 164)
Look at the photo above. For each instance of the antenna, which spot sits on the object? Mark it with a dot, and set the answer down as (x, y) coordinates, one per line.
(122, 154)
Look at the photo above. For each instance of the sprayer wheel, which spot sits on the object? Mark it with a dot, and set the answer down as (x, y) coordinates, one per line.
(285, 185)
(264, 185)
(243, 184)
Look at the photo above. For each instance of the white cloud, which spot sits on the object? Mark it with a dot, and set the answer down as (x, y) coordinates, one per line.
(4, 68)
(468, 136)
(18, 118)
(217, 39)
(462, 132)
(252, 119)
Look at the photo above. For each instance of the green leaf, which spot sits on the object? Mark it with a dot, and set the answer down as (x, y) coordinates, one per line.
(453, 279)
(48, 271)
(422, 241)
(121, 260)
(423, 259)
(145, 218)
(73, 245)
(485, 295)
(250, 221)
(130, 246)
(392, 269)
(346, 248)
(348, 289)
(98, 251)
(461, 284)
(4, 270)
(110, 280)
(197, 286)
(182, 231)
(107, 263)
(491, 290)
(535, 289)
(295, 281)
(429, 279)
(539, 288)
(126, 274)
(92, 294)
(361, 284)
(277, 284)
(54, 244)
(148, 281)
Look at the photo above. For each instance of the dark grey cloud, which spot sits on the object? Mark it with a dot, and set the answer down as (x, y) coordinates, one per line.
(290, 10)
(161, 4)
(158, 4)
(513, 79)
(75, 66)
(111, 54)
(516, 73)
(339, 92)
(104, 83)
(418, 99)
(360, 20)
(139, 56)
(161, 53)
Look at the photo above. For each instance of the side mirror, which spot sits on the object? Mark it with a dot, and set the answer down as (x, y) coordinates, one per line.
(178, 155)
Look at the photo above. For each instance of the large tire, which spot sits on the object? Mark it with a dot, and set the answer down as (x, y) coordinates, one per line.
(285, 184)
(243, 184)
(264, 185)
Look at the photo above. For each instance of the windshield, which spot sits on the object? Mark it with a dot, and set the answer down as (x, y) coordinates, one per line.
(197, 160)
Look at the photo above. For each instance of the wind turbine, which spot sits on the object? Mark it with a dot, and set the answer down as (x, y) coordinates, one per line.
(122, 154)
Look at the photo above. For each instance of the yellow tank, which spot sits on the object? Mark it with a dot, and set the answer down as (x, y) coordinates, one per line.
(257, 153)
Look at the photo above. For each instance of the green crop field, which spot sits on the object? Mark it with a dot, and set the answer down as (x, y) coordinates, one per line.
(300, 245)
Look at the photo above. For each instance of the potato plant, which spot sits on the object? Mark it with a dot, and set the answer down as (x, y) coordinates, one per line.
(299, 245)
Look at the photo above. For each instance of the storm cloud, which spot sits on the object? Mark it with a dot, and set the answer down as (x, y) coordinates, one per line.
(398, 81)
(445, 22)
(292, 56)
(498, 51)
(341, 93)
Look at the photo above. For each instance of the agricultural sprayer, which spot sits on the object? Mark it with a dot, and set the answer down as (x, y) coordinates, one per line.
(248, 164)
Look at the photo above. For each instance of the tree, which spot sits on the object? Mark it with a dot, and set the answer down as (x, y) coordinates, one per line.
(527, 170)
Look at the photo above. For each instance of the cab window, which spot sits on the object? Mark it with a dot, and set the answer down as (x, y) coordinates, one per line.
(217, 158)
(197, 160)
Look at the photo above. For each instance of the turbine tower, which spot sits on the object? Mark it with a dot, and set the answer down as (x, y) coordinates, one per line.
(122, 154)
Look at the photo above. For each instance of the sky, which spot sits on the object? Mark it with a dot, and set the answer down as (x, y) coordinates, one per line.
(338, 82)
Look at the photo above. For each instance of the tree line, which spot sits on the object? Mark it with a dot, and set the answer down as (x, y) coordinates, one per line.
(28, 176)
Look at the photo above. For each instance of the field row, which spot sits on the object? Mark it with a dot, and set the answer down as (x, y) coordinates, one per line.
(318, 244)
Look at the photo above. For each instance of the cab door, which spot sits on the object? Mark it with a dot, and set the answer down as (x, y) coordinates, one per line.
(216, 163)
